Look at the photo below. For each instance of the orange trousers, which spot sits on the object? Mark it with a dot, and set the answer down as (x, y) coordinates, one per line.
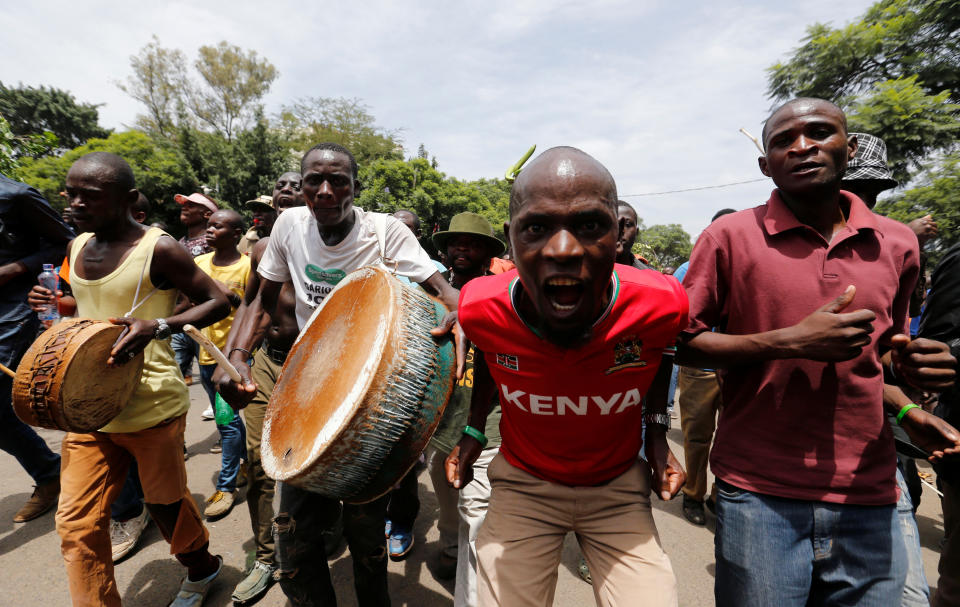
(94, 467)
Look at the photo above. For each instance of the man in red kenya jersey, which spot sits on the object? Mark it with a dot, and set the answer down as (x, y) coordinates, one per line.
(572, 344)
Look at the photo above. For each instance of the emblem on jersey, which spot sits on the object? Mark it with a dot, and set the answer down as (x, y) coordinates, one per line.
(509, 361)
(316, 274)
(626, 354)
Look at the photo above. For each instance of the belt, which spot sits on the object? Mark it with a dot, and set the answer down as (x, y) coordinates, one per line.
(275, 354)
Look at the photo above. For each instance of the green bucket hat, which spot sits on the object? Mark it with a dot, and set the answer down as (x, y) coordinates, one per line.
(473, 224)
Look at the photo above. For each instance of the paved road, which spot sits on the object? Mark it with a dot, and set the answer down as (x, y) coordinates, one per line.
(31, 569)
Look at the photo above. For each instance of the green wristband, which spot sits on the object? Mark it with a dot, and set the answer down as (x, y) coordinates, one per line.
(904, 411)
(471, 431)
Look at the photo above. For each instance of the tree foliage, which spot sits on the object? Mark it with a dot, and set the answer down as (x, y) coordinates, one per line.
(938, 194)
(895, 71)
(913, 123)
(35, 111)
(388, 185)
(893, 39)
(663, 245)
(15, 148)
(234, 82)
(310, 120)
(159, 81)
(159, 168)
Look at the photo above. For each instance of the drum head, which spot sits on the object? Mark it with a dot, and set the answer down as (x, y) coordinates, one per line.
(328, 372)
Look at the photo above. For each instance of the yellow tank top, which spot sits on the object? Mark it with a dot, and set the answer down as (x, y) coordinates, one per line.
(161, 393)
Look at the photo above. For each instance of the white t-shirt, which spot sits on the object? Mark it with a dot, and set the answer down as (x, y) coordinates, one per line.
(297, 253)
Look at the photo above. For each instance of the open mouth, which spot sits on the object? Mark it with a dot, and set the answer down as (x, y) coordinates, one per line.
(564, 294)
(806, 167)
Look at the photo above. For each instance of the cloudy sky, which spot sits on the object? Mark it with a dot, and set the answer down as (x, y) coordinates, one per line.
(655, 89)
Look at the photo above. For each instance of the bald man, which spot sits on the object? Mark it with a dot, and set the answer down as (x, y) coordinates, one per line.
(808, 293)
(572, 343)
(107, 267)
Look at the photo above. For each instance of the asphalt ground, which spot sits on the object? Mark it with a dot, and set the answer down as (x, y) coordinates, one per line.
(32, 572)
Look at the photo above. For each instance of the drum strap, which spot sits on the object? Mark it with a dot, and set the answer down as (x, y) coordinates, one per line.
(380, 227)
(138, 303)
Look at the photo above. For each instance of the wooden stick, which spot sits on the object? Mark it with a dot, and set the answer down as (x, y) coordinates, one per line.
(755, 141)
(213, 351)
(7, 371)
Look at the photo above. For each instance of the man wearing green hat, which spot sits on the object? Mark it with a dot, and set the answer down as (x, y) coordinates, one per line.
(469, 245)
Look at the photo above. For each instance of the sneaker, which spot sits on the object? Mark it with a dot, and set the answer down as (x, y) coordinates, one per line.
(387, 527)
(43, 499)
(693, 511)
(674, 413)
(188, 380)
(124, 535)
(218, 448)
(219, 504)
(399, 543)
(208, 414)
(253, 586)
(192, 593)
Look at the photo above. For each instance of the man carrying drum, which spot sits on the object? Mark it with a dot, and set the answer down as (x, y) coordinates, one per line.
(573, 345)
(314, 248)
(130, 274)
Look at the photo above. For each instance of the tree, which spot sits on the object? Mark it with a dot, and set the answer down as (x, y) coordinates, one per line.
(914, 124)
(663, 244)
(235, 82)
(160, 82)
(159, 168)
(310, 120)
(893, 39)
(34, 111)
(896, 72)
(939, 195)
(15, 148)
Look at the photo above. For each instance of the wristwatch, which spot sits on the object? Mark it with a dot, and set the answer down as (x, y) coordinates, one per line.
(163, 330)
(659, 419)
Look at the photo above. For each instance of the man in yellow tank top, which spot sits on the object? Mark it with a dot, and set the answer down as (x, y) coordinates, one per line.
(130, 274)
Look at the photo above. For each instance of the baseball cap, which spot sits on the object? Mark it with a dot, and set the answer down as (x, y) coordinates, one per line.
(261, 203)
(197, 198)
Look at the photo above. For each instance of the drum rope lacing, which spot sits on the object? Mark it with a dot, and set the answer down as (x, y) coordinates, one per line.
(46, 366)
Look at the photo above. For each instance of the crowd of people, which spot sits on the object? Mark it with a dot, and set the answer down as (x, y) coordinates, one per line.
(784, 342)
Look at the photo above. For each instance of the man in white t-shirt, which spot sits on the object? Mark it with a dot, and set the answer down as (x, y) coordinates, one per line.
(314, 247)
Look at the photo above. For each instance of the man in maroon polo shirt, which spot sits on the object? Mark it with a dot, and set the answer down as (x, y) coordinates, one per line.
(807, 293)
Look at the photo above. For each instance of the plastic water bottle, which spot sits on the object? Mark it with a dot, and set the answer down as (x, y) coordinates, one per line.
(49, 280)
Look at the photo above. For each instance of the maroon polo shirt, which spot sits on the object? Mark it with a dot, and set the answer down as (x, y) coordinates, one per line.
(799, 428)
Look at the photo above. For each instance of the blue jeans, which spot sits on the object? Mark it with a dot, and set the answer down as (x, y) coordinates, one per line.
(233, 437)
(129, 503)
(916, 593)
(184, 350)
(784, 552)
(17, 438)
(672, 391)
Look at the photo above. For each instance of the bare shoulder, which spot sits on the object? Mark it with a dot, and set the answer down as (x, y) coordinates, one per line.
(258, 250)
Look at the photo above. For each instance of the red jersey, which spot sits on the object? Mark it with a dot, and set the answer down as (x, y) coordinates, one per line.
(574, 415)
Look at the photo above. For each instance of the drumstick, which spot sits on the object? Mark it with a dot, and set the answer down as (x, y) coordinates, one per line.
(213, 351)
(7, 371)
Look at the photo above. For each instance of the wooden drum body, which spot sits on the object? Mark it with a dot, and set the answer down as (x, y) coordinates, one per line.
(63, 381)
(361, 392)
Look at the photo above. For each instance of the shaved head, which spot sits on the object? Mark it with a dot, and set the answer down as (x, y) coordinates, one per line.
(108, 169)
(801, 105)
(561, 168)
(229, 217)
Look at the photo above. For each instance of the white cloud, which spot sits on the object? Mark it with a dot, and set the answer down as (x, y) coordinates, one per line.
(654, 89)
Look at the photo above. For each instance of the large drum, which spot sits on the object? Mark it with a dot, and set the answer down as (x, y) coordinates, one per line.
(63, 381)
(361, 392)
